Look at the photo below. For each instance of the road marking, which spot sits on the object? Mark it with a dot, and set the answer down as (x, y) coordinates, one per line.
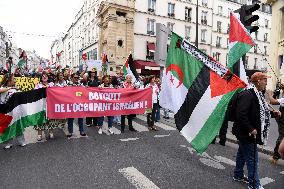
(128, 139)
(211, 163)
(160, 136)
(161, 125)
(266, 180)
(136, 178)
(282, 172)
(182, 146)
(225, 160)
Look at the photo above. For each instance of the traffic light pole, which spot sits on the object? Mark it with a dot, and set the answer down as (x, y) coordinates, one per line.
(196, 36)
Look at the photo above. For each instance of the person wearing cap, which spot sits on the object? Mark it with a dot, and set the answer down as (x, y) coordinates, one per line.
(92, 81)
(251, 128)
(280, 122)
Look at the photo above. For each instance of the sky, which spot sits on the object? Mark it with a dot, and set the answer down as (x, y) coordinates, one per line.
(37, 17)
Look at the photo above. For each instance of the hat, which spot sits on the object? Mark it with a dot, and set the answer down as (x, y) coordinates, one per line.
(94, 70)
(258, 76)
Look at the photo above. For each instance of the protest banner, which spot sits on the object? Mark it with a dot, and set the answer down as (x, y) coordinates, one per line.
(81, 102)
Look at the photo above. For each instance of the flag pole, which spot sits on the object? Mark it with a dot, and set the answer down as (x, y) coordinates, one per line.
(196, 27)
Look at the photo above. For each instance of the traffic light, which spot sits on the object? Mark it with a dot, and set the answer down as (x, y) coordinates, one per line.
(247, 18)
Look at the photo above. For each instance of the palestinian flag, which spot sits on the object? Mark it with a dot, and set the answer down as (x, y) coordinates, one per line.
(105, 62)
(129, 69)
(192, 87)
(240, 42)
(23, 109)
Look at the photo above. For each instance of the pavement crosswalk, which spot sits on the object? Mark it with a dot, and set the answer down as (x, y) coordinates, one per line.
(139, 123)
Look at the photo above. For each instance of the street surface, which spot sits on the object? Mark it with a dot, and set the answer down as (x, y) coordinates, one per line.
(145, 159)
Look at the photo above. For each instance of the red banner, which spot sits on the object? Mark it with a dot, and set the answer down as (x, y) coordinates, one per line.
(80, 102)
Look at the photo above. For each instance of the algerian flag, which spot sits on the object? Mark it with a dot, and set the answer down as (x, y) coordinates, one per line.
(22, 109)
(240, 42)
(192, 87)
(104, 62)
(129, 69)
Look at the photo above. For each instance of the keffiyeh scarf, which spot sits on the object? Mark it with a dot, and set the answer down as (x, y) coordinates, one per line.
(264, 114)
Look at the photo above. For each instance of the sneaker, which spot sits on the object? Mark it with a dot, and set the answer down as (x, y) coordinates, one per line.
(110, 131)
(89, 125)
(39, 137)
(167, 117)
(259, 187)
(244, 179)
(51, 135)
(132, 129)
(69, 135)
(8, 146)
(83, 134)
(23, 144)
(100, 131)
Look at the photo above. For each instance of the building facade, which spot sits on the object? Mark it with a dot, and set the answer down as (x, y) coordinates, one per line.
(118, 27)
(276, 53)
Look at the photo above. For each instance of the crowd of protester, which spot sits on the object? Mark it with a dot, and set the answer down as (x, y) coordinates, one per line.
(87, 79)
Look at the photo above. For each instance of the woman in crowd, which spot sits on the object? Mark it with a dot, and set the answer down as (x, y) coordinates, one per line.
(7, 89)
(151, 115)
(158, 114)
(116, 84)
(75, 82)
(128, 85)
(46, 126)
(60, 82)
(105, 84)
(92, 81)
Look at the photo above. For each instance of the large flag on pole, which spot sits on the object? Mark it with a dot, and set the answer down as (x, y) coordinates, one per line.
(240, 42)
(129, 69)
(22, 109)
(104, 63)
(197, 89)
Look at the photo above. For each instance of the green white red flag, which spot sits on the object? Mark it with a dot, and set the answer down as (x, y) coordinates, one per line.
(197, 89)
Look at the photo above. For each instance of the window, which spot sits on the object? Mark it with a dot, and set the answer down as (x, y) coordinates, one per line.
(255, 48)
(218, 41)
(150, 51)
(204, 3)
(229, 11)
(266, 22)
(219, 26)
(228, 42)
(187, 32)
(204, 17)
(151, 5)
(255, 63)
(188, 14)
(220, 10)
(246, 62)
(171, 9)
(265, 37)
(151, 26)
(228, 29)
(170, 26)
(216, 56)
(256, 35)
(265, 50)
(203, 35)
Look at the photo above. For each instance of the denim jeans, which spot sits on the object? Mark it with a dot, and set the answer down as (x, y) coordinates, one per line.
(245, 155)
(158, 114)
(109, 119)
(70, 125)
(117, 119)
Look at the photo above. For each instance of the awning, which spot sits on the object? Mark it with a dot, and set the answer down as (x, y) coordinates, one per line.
(151, 47)
(141, 64)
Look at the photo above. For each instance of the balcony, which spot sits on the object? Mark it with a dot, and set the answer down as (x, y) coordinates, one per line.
(171, 14)
(150, 32)
(204, 22)
(151, 10)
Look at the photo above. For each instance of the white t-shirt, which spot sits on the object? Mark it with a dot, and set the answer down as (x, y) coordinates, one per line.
(281, 101)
